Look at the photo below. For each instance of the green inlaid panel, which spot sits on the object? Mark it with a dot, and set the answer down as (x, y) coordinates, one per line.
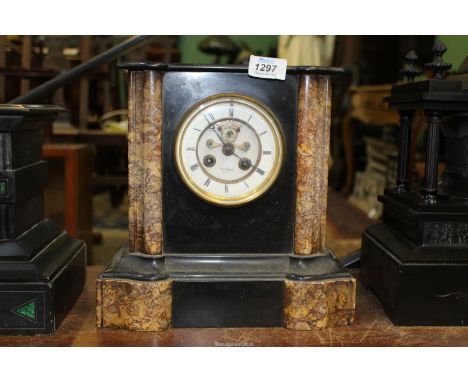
(3, 187)
(27, 310)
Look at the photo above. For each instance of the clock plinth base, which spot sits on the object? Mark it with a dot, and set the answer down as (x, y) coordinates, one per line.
(134, 305)
(319, 304)
(42, 273)
(416, 261)
(147, 293)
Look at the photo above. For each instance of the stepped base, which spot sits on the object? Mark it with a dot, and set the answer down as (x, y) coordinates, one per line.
(139, 292)
(417, 285)
(37, 293)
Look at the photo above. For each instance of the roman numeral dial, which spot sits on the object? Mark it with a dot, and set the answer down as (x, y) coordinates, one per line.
(229, 150)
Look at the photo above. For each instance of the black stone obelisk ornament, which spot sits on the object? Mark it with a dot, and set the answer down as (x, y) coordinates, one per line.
(416, 259)
(42, 268)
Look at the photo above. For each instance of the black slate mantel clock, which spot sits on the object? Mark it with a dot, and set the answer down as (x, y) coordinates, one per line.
(227, 203)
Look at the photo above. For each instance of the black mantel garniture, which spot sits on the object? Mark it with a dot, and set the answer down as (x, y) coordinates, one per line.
(42, 268)
(416, 259)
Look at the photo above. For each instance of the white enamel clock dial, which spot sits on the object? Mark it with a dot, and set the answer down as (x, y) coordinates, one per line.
(229, 150)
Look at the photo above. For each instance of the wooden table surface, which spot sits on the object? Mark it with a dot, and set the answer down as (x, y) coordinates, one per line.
(371, 328)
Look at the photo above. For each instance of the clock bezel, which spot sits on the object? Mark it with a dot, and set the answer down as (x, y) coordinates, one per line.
(254, 194)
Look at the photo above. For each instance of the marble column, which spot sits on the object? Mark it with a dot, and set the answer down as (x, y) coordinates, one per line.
(144, 162)
(313, 140)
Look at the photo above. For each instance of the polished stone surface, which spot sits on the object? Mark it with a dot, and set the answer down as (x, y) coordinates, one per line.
(312, 305)
(144, 162)
(134, 305)
(313, 137)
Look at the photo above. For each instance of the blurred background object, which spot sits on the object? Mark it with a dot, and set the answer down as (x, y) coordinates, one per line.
(307, 50)
(219, 46)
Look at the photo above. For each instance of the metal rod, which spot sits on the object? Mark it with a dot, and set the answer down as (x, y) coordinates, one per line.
(64, 78)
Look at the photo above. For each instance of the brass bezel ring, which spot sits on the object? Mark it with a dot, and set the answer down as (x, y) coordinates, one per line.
(253, 194)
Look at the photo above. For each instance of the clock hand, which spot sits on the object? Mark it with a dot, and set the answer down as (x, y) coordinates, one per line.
(234, 153)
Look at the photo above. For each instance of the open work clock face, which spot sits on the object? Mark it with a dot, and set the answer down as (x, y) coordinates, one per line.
(229, 149)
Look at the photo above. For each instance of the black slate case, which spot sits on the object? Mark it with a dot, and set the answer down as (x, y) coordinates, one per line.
(263, 226)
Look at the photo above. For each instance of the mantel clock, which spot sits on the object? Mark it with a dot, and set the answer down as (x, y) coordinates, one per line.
(227, 203)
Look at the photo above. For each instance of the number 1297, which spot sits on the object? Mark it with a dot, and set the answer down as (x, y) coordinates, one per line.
(265, 67)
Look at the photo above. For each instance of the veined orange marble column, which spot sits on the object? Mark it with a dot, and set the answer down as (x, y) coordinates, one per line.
(144, 162)
(313, 139)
